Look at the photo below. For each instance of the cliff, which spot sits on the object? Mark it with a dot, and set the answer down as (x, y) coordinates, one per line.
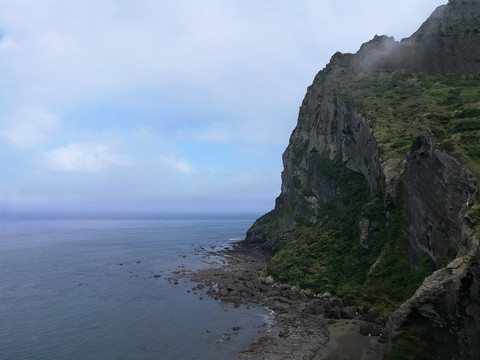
(380, 183)
(438, 190)
(442, 319)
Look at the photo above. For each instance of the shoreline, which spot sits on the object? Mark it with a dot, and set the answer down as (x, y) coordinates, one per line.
(306, 325)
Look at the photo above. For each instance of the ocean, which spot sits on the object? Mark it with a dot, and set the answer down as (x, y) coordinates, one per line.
(85, 288)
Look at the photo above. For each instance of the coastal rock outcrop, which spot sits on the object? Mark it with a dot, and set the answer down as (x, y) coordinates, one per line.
(423, 208)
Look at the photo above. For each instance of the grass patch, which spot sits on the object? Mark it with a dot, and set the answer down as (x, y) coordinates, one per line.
(474, 218)
(398, 103)
(409, 347)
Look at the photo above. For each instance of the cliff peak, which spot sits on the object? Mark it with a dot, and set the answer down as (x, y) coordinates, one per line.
(448, 41)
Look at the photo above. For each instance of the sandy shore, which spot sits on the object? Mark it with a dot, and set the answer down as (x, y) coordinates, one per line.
(306, 326)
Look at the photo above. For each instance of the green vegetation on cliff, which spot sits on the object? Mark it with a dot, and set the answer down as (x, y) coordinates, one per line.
(318, 256)
(328, 255)
(409, 347)
(397, 103)
(474, 217)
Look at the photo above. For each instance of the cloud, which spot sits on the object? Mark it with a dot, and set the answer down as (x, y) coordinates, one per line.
(29, 128)
(230, 49)
(83, 157)
(215, 83)
(217, 134)
(179, 165)
(249, 59)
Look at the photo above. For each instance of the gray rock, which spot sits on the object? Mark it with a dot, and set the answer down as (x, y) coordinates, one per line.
(371, 316)
(267, 281)
(364, 226)
(325, 124)
(446, 42)
(349, 312)
(437, 189)
(293, 294)
(444, 312)
(371, 330)
(333, 313)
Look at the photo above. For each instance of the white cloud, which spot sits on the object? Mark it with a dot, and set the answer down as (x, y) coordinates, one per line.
(78, 49)
(218, 134)
(83, 157)
(244, 58)
(177, 164)
(185, 74)
(29, 128)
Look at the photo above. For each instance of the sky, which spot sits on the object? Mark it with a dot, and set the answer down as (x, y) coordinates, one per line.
(165, 106)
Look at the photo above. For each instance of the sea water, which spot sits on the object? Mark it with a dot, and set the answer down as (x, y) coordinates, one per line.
(85, 288)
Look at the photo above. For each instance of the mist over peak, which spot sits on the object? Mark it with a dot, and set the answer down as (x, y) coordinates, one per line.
(447, 42)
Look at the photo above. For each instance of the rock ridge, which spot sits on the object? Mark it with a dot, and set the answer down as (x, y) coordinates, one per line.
(436, 196)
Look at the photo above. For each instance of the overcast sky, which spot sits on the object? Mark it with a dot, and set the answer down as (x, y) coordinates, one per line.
(154, 105)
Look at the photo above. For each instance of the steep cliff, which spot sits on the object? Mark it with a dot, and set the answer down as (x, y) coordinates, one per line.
(437, 192)
(448, 42)
(442, 319)
(380, 183)
(327, 125)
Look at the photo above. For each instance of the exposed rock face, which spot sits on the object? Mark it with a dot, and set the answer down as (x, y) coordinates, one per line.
(437, 188)
(446, 42)
(444, 313)
(438, 191)
(326, 125)
(364, 226)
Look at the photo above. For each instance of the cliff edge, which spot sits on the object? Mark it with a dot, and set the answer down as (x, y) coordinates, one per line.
(380, 186)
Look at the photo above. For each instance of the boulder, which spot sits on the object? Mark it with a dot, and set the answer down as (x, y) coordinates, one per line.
(349, 312)
(371, 330)
(333, 313)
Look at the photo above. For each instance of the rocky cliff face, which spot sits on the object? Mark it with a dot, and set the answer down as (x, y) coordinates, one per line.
(438, 190)
(442, 44)
(443, 317)
(328, 125)
(429, 186)
(449, 41)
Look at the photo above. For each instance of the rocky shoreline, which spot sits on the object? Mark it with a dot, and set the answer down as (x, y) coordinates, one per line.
(306, 325)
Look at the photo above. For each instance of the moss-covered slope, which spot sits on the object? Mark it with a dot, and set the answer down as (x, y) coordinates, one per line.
(397, 103)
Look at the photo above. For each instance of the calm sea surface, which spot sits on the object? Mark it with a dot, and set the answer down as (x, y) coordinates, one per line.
(84, 289)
